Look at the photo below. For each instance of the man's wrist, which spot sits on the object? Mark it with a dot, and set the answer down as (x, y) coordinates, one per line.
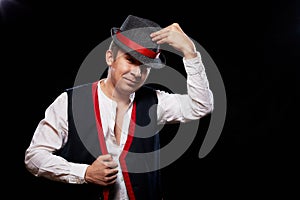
(190, 55)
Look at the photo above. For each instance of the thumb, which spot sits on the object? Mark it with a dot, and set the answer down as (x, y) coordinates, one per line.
(106, 157)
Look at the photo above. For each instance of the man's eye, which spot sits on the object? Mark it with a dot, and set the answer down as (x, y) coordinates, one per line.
(131, 60)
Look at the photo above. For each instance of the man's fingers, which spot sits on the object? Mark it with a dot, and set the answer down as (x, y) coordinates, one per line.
(106, 157)
(110, 180)
(162, 31)
(173, 27)
(111, 164)
(108, 161)
(111, 172)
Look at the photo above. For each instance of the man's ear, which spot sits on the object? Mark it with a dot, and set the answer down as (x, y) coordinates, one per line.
(109, 57)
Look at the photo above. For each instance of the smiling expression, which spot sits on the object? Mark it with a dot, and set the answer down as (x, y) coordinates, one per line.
(126, 73)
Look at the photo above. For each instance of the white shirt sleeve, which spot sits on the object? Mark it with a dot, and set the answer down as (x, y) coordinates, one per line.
(198, 101)
(50, 135)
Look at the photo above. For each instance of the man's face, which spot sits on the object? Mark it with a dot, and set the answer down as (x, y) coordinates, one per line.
(127, 73)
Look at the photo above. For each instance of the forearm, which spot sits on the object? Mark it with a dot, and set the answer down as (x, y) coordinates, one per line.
(50, 135)
(196, 103)
(40, 162)
(200, 97)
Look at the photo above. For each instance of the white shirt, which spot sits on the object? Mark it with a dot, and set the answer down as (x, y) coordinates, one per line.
(52, 131)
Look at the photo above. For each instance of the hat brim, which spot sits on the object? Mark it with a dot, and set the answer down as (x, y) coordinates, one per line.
(157, 63)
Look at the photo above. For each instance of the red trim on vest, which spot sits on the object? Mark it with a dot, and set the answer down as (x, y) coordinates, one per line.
(135, 46)
(99, 130)
(98, 119)
(130, 191)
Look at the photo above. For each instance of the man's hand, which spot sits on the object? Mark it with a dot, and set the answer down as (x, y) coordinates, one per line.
(102, 171)
(175, 37)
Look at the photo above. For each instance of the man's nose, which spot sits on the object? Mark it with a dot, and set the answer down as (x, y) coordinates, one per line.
(136, 71)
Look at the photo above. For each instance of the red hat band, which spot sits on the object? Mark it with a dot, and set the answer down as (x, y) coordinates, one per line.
(136, 47)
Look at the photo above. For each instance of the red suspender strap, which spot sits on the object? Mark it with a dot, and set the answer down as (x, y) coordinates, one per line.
(124, 153)
(99, 130)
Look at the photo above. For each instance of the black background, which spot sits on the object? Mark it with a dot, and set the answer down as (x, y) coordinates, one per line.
(255, 46)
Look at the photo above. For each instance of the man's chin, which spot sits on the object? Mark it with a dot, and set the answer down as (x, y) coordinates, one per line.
(128, 89)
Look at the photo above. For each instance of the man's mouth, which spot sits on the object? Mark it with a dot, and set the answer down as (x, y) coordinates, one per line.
(131, 81)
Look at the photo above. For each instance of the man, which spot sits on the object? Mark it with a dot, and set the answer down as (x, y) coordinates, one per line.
(91, 133)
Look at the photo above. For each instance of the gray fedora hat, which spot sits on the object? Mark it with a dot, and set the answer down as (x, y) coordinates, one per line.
(134, 38)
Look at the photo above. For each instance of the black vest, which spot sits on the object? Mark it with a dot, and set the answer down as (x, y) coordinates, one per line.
(86, 142)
